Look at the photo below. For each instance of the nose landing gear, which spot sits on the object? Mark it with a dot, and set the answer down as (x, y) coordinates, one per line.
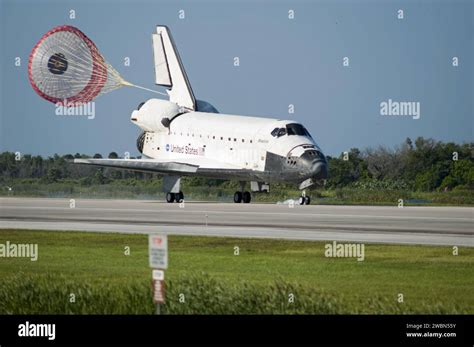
(304, 200)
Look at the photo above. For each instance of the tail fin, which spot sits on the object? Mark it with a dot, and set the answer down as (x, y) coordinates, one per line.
(169, 70)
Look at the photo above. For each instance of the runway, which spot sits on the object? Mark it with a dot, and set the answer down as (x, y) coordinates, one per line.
(451, 226)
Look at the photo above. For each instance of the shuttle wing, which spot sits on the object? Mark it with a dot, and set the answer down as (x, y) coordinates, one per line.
(169, 70)
(146, 165)
(186, 167)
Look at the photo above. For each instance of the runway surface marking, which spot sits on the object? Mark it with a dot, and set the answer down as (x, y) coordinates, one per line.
(380, 224)
(247, 212)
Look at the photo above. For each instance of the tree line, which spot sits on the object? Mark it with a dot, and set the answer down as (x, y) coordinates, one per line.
(423, 164)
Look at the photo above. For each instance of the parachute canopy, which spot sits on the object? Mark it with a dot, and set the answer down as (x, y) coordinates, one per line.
(65, 67)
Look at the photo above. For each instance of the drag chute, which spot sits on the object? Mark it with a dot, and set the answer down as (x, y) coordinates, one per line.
(65, 67)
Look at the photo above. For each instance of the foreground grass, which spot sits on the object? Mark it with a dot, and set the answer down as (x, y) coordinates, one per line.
(94, 267)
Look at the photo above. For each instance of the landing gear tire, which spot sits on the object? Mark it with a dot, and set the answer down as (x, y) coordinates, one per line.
(170, 197)
(237, 197)
(246, 197)
(304, 200)
(179, 197)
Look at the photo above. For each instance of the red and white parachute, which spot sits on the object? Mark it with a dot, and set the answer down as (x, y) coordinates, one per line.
(65, 66)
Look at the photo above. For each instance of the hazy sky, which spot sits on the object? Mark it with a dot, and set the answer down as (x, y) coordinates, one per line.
(282, 62)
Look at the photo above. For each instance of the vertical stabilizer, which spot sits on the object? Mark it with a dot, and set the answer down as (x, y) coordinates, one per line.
(169, 70)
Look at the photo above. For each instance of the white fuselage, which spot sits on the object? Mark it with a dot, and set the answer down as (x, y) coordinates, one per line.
(234, 142)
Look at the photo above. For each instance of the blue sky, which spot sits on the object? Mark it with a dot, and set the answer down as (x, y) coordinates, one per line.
(282, 62)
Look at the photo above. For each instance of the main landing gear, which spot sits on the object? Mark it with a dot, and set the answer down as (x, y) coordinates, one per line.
(242, 196)
(172, 197)
(172, 187)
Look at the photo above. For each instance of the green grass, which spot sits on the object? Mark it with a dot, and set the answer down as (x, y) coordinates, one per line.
(214, 280)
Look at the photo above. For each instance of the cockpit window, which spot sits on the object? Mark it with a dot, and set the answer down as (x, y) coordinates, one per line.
(291, 129)
(297, 129)
(277, 132)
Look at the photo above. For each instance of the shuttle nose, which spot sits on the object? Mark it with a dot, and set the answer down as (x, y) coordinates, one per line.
(319, 170)
(315, 164)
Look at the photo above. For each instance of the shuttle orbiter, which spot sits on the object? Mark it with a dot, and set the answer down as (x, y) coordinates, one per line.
(188, 137)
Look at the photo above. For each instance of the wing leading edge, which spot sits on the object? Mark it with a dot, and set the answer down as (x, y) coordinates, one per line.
(188, 167)
(144, 165)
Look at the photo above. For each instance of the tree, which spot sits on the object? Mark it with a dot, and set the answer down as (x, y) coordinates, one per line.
(54, 174)
(99, 177)
(430, 179)
(461, 174)
(383, 163)
(343, 172)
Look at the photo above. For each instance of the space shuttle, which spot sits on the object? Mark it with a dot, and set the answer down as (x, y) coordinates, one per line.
(183, 136)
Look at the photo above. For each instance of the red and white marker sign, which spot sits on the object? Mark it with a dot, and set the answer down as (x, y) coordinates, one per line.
(158, 292)
(158, 254)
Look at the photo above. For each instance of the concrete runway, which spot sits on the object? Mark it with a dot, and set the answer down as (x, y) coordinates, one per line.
(410, 225)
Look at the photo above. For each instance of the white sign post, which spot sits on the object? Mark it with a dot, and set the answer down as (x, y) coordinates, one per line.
(158, 275)
(158, 254)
